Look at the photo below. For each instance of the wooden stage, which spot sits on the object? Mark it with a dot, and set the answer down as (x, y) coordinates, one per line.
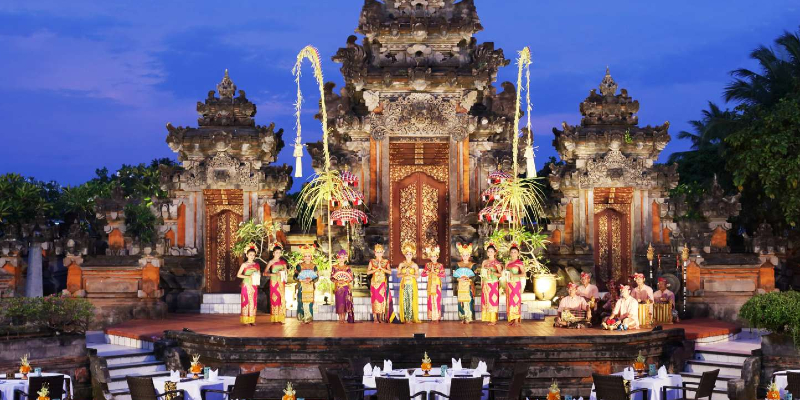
(229, 326)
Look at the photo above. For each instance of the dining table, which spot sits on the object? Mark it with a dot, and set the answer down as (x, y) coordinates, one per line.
(419, 382)
(653, 384)
(782, 381)
(9, 384)
(192, 387)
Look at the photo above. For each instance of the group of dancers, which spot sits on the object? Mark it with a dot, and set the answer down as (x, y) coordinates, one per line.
(620, 310)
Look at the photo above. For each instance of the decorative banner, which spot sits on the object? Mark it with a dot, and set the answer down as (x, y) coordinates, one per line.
(346, 216)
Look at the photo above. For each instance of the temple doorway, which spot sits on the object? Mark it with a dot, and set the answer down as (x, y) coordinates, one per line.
(223, 215)
(419, 199)
(612, 235)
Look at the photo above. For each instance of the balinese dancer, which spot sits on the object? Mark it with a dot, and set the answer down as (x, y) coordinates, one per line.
(491, 271)
(342, 277)
(465, 276)
(516, 282)
(306, 277)
(379, 293)
(434, 270)
(250, 274)
(408, 272)
(277, 284)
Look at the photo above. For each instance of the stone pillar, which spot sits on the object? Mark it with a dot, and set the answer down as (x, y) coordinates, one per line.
(33, 283)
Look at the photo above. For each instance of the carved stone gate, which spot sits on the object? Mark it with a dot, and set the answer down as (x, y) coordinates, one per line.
(224, 209)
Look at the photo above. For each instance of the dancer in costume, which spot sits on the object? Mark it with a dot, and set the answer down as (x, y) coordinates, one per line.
(573, 311)
(408, 272)
(306, 277)
(434, 270)
(516, 281)
(250, 274)
(465, 276)
(491, 270)
(626, 312)
(379, 292)
(277, 282)
(342, 276)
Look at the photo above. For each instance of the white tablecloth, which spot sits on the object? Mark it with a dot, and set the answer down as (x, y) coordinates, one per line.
(192, 387)
(782, 381)
(426, 383)
(7, 386)
(653, 384)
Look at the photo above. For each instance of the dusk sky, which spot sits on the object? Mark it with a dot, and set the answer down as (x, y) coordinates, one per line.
(88, 84)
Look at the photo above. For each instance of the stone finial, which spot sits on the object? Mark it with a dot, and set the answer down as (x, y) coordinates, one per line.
(607, 86)
(226, 88)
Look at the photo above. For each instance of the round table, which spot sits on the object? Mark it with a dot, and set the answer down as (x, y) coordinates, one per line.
(9, 385)
(192, 387)
(782, 381)
(420, 383)
(653, 384)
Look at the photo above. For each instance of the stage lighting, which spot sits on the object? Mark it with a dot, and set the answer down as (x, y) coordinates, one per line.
(419, 335)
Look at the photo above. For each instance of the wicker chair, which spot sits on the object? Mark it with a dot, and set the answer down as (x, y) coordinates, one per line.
(396, 389)
(463, 389)
(612, 387)
(792, 382)
(244, 388)
(339, 390)
(55, 384)
(489, 363)
(357, 365)
(142, 388)
(512, 391)
(704, 389)
(322, 370)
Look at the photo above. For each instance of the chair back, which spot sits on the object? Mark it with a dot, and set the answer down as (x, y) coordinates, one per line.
(466, 388)
(357, 365)
(392, 389)
(793, 383)
(515, 386)
(338, 389)
(609, 387)
(706, 386)
(55, 385)
(245, 386)
(488, 360)
(141, 388)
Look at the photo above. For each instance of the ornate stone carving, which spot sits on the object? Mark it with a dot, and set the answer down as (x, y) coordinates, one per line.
(420, 114)
(616, 170)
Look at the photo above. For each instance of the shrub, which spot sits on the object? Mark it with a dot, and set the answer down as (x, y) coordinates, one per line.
(776, 312)
(56, 314)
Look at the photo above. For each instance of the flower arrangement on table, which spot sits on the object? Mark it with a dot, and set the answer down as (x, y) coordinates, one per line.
(25, 366)
(288, 393)
(773, 393)
(426, 364)
(196, 367)
(44, 392)
(639, 364)
(555, 392)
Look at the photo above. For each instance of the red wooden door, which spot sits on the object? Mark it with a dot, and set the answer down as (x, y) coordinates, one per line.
(420, 205)
(611, 247)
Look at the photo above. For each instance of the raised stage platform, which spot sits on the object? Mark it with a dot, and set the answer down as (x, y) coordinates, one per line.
(293, 352)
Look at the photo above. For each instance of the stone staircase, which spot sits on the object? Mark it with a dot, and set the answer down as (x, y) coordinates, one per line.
(123, 360)
(728, 355)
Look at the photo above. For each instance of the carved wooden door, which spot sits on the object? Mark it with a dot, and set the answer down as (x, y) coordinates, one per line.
(223, 215)
(420, 215)
(611, 247)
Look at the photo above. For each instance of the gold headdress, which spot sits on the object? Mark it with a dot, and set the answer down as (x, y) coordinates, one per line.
(308, 250)
(379, 247)
(250, 246)
(489, 244)
(464, 249)
(409, 247)
(432, 251)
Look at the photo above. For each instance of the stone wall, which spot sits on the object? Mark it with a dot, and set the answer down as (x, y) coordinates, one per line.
(65, 354)
(570, 360)
(182, 282)
(778, 353)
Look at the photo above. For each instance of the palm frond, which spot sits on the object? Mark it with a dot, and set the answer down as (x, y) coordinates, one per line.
(324, 187)
(521, 198)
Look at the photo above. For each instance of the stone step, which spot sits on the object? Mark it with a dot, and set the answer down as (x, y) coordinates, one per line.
(722, 380)
(121, 394)
(119, 382)
(725, 368)
(716, 355)
(719, 394)
(222, 298)
(133, 358)
(135, 368)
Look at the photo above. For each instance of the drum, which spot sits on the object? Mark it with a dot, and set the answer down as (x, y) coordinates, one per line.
(662, 313)
(645, 315)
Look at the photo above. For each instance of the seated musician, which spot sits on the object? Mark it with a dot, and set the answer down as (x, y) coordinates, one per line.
(609, 300)
(626, 312)
(665, 296)
(573, 311)
(588, 291)
(642, 292)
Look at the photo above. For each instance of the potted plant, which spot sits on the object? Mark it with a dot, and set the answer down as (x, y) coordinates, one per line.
(531, 244)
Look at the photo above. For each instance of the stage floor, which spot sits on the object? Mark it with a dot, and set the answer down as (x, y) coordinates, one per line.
(228, 325)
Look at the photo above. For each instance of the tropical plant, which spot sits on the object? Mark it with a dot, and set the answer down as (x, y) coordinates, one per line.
(56, 314)
(141, 222)
(531, 244)
(777, 312)
(262, 234)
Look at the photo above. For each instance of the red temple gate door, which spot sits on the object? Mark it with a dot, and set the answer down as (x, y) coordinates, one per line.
(611, 247)
(223, 215)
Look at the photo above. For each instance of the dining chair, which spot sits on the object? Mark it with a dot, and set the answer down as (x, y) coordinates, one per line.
(612, 387)
(512, 391)
(142, 388)
(793, 383)
(462, 389)
(476, 360)
(340, 391)
(357, 365)
(324, 375)
(55, 384)
(244, 388)
(395, 389)
(704, 389)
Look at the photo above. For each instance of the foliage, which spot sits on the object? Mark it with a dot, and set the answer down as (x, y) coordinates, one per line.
(262, 234)
(521, 198)
(56, 314)
(24, 199)
(692, 194)
(141, 222)
(323, 188)
(778, 312)
(531, 244)
(321, 260)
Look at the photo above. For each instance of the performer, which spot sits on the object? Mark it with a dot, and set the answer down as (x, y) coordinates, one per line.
(626, 312)
(609, 300)
(665, 296)
(343, 278)
(408, 271)
(277, 283)
(570, 309)
(516, 282)
(642, 292)
(434, 270)
(491, 270)
(306, 277)
(250, 274)
(466, 284)
(587, 290)
(379, 292)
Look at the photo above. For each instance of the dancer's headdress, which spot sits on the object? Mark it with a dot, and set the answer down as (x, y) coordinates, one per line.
(623, 286)
(585, 275)
(277, 246)
(409, 247)
(433, 251)
(379, 247)
(308, 250)
(514, 245)
(464, 249)
(571, 285)
(341, 253)
(488, 245)
(250, 246)
(638, 275)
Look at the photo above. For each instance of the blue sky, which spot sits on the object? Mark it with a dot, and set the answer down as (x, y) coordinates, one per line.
(88, 84)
